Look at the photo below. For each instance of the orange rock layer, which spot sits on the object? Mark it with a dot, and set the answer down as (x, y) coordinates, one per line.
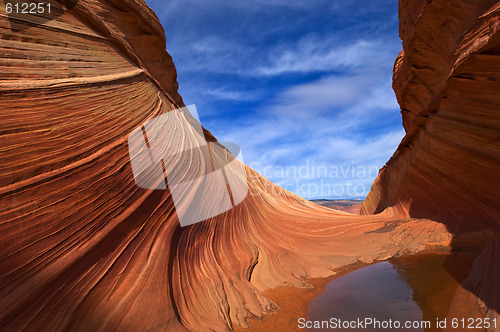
(83, 248)
(447, 168)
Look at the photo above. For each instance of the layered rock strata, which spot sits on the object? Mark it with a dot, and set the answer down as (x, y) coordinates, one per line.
(82, 247)
(447, 168)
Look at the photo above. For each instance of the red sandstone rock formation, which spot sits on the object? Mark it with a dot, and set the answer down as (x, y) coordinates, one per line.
(447, 167)
(349, 206)
(83, 248)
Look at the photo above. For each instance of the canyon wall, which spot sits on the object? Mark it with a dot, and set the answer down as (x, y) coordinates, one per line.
(447, 168)
(82, 247)
(446, 81)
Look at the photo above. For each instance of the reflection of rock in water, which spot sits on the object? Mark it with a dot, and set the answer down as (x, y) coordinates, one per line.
(447, 167)
(84, 248)
(434, 280)
(408, 289)
(375, 292)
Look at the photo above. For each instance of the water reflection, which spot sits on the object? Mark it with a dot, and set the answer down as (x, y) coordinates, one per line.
(376, 291)
(411, 289)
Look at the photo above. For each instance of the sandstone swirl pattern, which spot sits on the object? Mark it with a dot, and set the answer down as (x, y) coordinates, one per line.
(447, 168)
(82, 248)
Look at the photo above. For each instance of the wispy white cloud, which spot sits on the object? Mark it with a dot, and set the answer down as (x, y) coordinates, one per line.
(313, 53)
(335, 165)
(226, 94)
(303, 4)
(168, 7)
(319, 123)
(322, 122)
(323, 95)
(317, 72)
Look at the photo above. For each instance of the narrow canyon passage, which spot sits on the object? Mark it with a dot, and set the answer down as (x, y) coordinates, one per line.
(82, 247)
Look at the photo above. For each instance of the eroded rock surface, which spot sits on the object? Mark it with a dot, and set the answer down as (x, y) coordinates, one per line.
(83, 248)
(447, 168)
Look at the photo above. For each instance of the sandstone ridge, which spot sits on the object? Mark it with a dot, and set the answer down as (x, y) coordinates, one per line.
(83, 248)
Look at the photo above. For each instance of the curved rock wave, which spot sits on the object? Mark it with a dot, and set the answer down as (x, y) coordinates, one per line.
(84, 248)
(447, 168)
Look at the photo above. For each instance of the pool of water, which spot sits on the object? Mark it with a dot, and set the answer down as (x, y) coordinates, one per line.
(410, 289)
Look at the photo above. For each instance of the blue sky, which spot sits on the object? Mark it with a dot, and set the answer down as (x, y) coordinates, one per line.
(304, 87)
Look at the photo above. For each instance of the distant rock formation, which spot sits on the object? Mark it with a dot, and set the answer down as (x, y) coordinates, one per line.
(447, 168)
(82, 248)
(345, 205)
